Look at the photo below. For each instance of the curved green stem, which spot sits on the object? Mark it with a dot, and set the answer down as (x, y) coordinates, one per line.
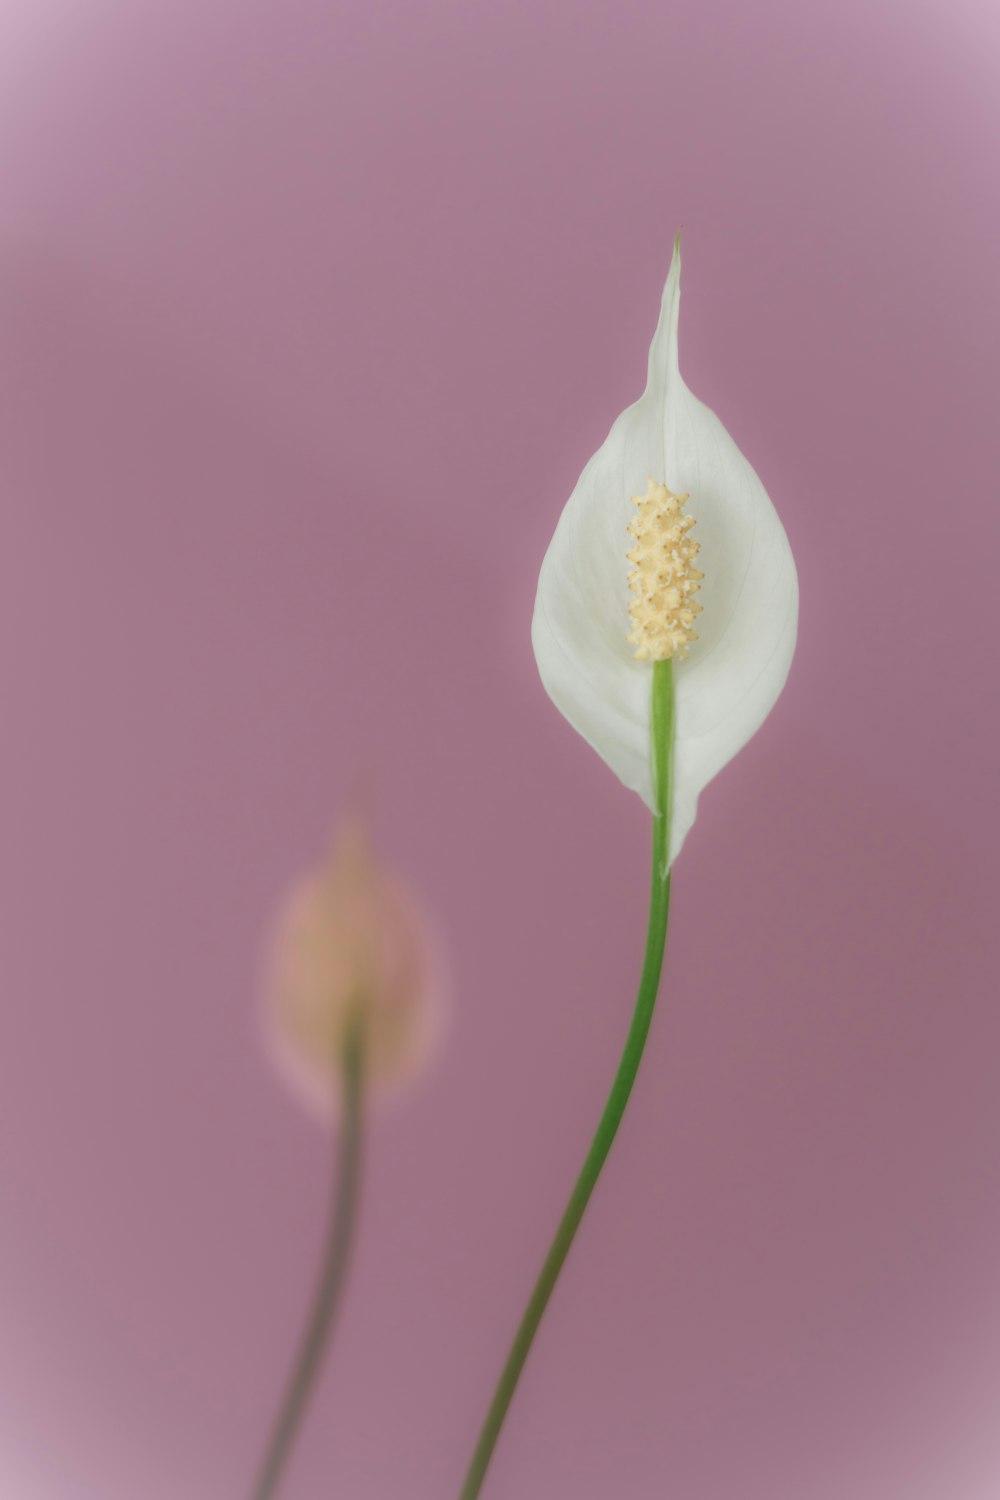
(614, 1109)
(331, 1281)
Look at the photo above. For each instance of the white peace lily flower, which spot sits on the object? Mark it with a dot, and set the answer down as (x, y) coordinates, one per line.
(587, 624)
(614, 634)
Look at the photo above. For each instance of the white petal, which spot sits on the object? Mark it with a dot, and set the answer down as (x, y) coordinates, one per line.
(735, 671)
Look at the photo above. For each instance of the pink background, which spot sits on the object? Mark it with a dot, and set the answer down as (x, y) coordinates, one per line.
(311, 314)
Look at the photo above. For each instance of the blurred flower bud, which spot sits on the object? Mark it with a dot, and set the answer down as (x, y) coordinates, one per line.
(351, 949)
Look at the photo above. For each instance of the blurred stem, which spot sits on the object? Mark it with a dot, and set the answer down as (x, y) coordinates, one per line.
(662, 720)
(335, 1259)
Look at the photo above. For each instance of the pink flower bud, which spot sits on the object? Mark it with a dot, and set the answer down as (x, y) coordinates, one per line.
(351, 948)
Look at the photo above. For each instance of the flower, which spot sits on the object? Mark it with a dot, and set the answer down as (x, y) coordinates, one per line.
(599, 625)
(351, 950)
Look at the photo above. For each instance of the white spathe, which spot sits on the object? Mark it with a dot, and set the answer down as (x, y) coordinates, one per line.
(726, 686)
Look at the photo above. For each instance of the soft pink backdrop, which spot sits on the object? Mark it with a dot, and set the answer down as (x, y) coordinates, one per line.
(311, 313)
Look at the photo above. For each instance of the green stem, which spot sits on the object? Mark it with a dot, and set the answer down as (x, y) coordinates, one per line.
(331, 1281)
(614, 1109)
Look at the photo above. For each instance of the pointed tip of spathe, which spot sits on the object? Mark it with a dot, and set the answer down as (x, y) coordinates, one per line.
(674, 272)
(663, 349)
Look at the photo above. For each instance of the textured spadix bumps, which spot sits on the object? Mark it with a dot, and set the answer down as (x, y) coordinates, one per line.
(664, 579)
(585, 623)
